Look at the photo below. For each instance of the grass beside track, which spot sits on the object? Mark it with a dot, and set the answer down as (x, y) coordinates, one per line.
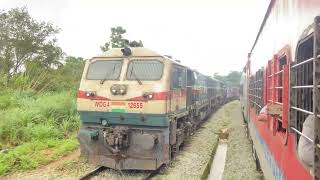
(36, 129)
(195, 159)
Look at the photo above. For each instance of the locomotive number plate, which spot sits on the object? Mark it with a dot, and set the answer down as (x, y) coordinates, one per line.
(135, 105)
(119, 106)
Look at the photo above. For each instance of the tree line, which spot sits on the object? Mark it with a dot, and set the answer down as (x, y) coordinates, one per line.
(232, 79)
(30, 58)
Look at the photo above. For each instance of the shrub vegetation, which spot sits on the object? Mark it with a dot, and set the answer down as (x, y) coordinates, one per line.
(36, 129)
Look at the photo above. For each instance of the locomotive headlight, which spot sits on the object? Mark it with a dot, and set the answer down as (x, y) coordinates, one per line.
(123, 89)
(150, 96)
(117, 89)
(88, 94)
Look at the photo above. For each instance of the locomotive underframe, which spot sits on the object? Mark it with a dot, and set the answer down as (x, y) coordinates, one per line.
(146, 148)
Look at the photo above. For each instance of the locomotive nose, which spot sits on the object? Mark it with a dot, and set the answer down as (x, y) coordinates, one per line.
(145, 141)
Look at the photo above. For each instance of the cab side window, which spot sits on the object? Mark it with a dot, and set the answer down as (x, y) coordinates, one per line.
(178, 79)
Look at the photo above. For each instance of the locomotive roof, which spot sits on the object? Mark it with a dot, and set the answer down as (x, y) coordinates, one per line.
(135, 51)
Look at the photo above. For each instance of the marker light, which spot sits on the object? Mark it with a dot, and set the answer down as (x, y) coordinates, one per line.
(147, 96)
(90, 94)
(122, 91)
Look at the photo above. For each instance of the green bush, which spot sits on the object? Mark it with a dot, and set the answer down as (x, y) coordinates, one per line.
(50, 115)
(36, 129)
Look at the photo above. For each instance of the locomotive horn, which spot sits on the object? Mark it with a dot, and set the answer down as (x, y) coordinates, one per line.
(126, 51)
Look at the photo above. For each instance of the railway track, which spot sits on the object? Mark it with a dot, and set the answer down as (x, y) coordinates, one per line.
(145, 175)
(92, 173)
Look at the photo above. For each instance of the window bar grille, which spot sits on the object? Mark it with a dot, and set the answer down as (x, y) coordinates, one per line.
(316, 93)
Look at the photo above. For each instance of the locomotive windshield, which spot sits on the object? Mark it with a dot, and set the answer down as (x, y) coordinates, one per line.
(145, 70)
(104, 70)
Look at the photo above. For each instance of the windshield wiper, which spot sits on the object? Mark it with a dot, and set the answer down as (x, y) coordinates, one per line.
(107, 74)
(136, 77)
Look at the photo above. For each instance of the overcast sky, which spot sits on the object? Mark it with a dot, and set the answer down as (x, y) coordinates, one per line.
(207, 35)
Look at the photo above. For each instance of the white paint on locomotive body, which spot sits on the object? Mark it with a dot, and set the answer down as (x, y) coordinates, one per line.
(134, 90)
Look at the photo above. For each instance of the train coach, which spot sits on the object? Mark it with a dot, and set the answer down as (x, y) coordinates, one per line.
(138, 107)
(281, 80)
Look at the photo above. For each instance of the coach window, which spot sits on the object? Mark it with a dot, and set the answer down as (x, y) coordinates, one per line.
(178, 77)
(282, 61)
(301, 95)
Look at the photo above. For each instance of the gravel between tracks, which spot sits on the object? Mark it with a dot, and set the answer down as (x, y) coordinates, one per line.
(194, 161)
(240, 164)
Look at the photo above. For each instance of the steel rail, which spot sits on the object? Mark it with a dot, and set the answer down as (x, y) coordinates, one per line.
(92, 173)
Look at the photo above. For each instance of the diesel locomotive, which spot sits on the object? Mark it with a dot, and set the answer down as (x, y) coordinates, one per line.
(138, 107)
